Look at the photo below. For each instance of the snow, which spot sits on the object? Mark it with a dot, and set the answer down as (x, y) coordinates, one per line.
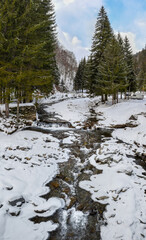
(64, 110)
(30, 160)
(74, 110)
(120, 187)
(120, 114)
(12, 105)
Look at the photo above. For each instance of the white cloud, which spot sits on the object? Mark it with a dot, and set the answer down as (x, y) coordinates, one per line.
(76, 41)
(73, 44)
(132, 39)
(78, 3)
(141, 23)
(77, 19)
(68, 1)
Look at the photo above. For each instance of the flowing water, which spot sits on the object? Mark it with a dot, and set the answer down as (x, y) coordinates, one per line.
(81, 217)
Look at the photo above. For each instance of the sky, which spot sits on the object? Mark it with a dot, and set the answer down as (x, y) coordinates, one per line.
(76, 22)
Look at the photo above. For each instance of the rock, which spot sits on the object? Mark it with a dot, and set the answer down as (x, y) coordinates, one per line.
(68, 180)
(54, 184)
(23, 148)
(133, 117)
(80, 207)
(20, 200)
(9, 188)
(93, 212)
(102, 198)
(142, 156)
(26, 112)
(9, 169)
(27, 158)
(15, 213)
(66, 190)
(72, 202)
(130, 124)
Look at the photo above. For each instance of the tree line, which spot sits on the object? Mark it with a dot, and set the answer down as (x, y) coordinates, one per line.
(27, 50)
(109, 69)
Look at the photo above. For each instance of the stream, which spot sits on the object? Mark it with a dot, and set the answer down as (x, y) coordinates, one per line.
(81, 218)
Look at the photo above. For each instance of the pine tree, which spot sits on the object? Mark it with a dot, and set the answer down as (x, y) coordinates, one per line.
(131, 80)
(102, 35)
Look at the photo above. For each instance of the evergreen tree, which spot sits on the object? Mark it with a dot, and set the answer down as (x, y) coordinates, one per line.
(131, 80)
(121, 42)
(112, 70)
(121, 46)
(102, 35)
(27, 47)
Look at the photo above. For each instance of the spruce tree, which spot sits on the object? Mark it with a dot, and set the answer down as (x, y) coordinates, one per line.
(27, 47)
(131, 80)
(102, 35)
(89, 73)
(121, 46)
(112, 70)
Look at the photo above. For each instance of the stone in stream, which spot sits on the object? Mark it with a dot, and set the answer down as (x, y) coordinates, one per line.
(17, 202)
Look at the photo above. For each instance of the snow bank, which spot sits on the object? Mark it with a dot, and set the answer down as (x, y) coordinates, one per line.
(121, 187)
(28, 160)
(120, 114)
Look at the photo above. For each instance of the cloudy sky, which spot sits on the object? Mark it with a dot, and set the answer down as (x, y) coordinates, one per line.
(76, 22)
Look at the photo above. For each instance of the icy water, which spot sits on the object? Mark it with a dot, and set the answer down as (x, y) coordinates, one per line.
(81, 217)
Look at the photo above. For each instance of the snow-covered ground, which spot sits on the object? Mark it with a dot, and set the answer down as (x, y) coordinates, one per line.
(120, 114)
(122, 187)
(29, 160)
(122, 183)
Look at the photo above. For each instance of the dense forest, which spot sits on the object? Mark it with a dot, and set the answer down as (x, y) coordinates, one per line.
(27, 50)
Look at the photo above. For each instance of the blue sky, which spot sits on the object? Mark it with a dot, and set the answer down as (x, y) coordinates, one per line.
(76, 22)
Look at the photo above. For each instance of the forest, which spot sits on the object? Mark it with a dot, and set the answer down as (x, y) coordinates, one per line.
(30, 58)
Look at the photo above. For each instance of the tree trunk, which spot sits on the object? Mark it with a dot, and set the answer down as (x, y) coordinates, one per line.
(113, 99)
(121, 95)
(1, 96)
(128, 93)
(17, 110)
(102, 98)
(106, 98)
(7, 109)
